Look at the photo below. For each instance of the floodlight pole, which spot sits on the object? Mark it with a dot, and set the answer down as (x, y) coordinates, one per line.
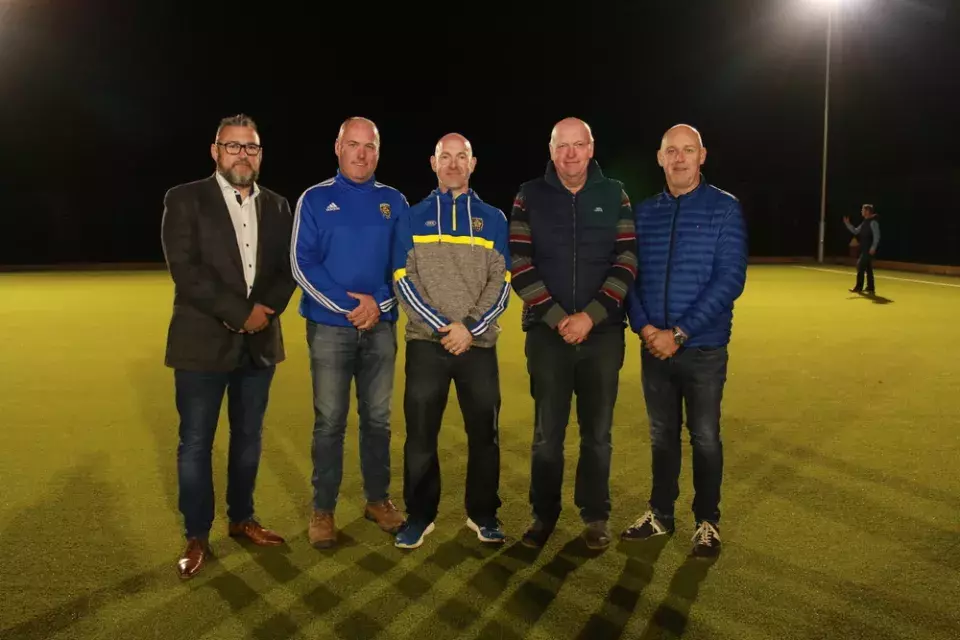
(826, 122)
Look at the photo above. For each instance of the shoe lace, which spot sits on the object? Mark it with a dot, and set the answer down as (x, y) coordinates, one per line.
(644, 519)
(706, 535)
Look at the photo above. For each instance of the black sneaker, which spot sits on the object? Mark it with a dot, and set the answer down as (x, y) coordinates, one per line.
(537, 534)
(597, 535)
(647, 526)
(870, 292)
(855, 290)
(706, 541)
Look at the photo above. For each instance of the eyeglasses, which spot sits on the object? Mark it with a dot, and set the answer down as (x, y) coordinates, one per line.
(233, 148)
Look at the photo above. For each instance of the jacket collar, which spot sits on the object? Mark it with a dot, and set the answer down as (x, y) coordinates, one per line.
(343, 180)
(594, 175)
(448, 197)
(701, 187)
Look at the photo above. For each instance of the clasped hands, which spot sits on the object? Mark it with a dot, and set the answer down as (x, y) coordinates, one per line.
(659, 342)
(458, 338)
(575, 328)
(258, 320)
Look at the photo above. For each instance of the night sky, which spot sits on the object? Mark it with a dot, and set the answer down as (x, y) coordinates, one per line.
(104, 106)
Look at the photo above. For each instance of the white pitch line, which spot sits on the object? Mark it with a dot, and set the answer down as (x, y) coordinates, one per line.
(846, 273)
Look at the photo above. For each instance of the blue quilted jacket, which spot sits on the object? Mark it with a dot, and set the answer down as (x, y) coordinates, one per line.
(692, 264)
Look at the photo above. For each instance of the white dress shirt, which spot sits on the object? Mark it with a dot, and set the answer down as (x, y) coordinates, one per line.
(243, 213)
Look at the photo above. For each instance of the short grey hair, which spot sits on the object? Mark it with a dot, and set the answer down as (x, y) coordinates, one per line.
(346, 123)
(239, 120)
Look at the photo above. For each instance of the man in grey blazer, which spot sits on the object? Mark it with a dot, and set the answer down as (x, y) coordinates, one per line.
(226, 241)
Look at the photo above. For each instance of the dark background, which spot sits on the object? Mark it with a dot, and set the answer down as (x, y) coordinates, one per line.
(104, 106)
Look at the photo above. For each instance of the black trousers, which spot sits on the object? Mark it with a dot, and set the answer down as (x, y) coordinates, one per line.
(865, 267)
(558, 371)
(475, 374)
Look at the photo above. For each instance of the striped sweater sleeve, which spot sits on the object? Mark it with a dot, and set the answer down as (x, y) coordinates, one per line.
(525, 277)
(405, 279)
(496, 293)
(623, 272)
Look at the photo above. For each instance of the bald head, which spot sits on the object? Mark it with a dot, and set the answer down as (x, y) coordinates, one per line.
(571, 149)
(684, 130)
(452, 140)
(358, 148)
(571, 126)
(453, 162)
(681, 155)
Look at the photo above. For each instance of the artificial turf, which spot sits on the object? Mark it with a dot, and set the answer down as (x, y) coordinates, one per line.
(841, 495)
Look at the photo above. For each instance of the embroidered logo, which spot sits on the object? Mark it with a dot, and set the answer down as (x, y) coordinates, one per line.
(477, 225)
(385, 210)
(333, 207)
(431, 223)
(598, 210)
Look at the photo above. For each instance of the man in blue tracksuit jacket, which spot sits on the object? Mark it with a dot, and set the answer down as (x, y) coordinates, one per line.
(692, 254)
(340, 257)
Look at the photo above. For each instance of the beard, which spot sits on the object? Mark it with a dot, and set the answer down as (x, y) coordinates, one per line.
(236, 178)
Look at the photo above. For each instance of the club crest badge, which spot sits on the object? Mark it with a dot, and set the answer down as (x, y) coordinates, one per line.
(385, 210)
(477, 225)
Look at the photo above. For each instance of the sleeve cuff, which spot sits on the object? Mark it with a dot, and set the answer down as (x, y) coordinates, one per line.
(554, 315)
(596, 311)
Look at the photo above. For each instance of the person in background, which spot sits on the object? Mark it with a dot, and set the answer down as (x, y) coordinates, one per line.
(868, 236)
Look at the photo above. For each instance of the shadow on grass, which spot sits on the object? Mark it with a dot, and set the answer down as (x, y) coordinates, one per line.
(872, 297)
(67, 543)
(671, 616)
(623, 597)
(534, 596)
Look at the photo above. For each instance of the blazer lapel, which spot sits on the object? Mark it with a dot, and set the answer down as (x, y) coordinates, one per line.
(221, 215)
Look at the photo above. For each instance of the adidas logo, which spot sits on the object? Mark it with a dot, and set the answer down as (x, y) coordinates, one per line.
(333, 207)
(598, 210)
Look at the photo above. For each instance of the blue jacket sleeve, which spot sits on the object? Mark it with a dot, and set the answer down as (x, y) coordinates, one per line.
(405, 277)
(496, 292)
(385, 296)
(635, 313)
(728, 278)
(306, 262)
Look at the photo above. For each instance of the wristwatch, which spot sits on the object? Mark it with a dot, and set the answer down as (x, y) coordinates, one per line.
(679, 337)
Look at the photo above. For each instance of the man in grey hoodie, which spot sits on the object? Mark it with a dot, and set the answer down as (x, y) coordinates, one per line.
(451, 275)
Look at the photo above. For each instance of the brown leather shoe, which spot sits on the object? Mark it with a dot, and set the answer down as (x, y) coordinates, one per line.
(193, 557)
(385, 514)
(323, 533)
(254, 531)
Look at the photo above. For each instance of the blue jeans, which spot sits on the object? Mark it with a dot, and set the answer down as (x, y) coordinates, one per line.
(199, 396)
(557, 371)
(338, 355)
(693, 378)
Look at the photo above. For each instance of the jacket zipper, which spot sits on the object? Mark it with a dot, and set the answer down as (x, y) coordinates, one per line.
(666, 284)
(574, 205)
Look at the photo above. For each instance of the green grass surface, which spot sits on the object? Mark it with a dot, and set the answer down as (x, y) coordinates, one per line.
(841, 495)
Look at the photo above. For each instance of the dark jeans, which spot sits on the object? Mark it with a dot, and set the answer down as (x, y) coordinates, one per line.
(337, 356)
(475, 374)
(693, 378)
(865, 266)
(558, 370)
(199, 396)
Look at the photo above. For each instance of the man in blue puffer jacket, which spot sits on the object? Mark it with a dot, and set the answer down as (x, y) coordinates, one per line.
(692, 252)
